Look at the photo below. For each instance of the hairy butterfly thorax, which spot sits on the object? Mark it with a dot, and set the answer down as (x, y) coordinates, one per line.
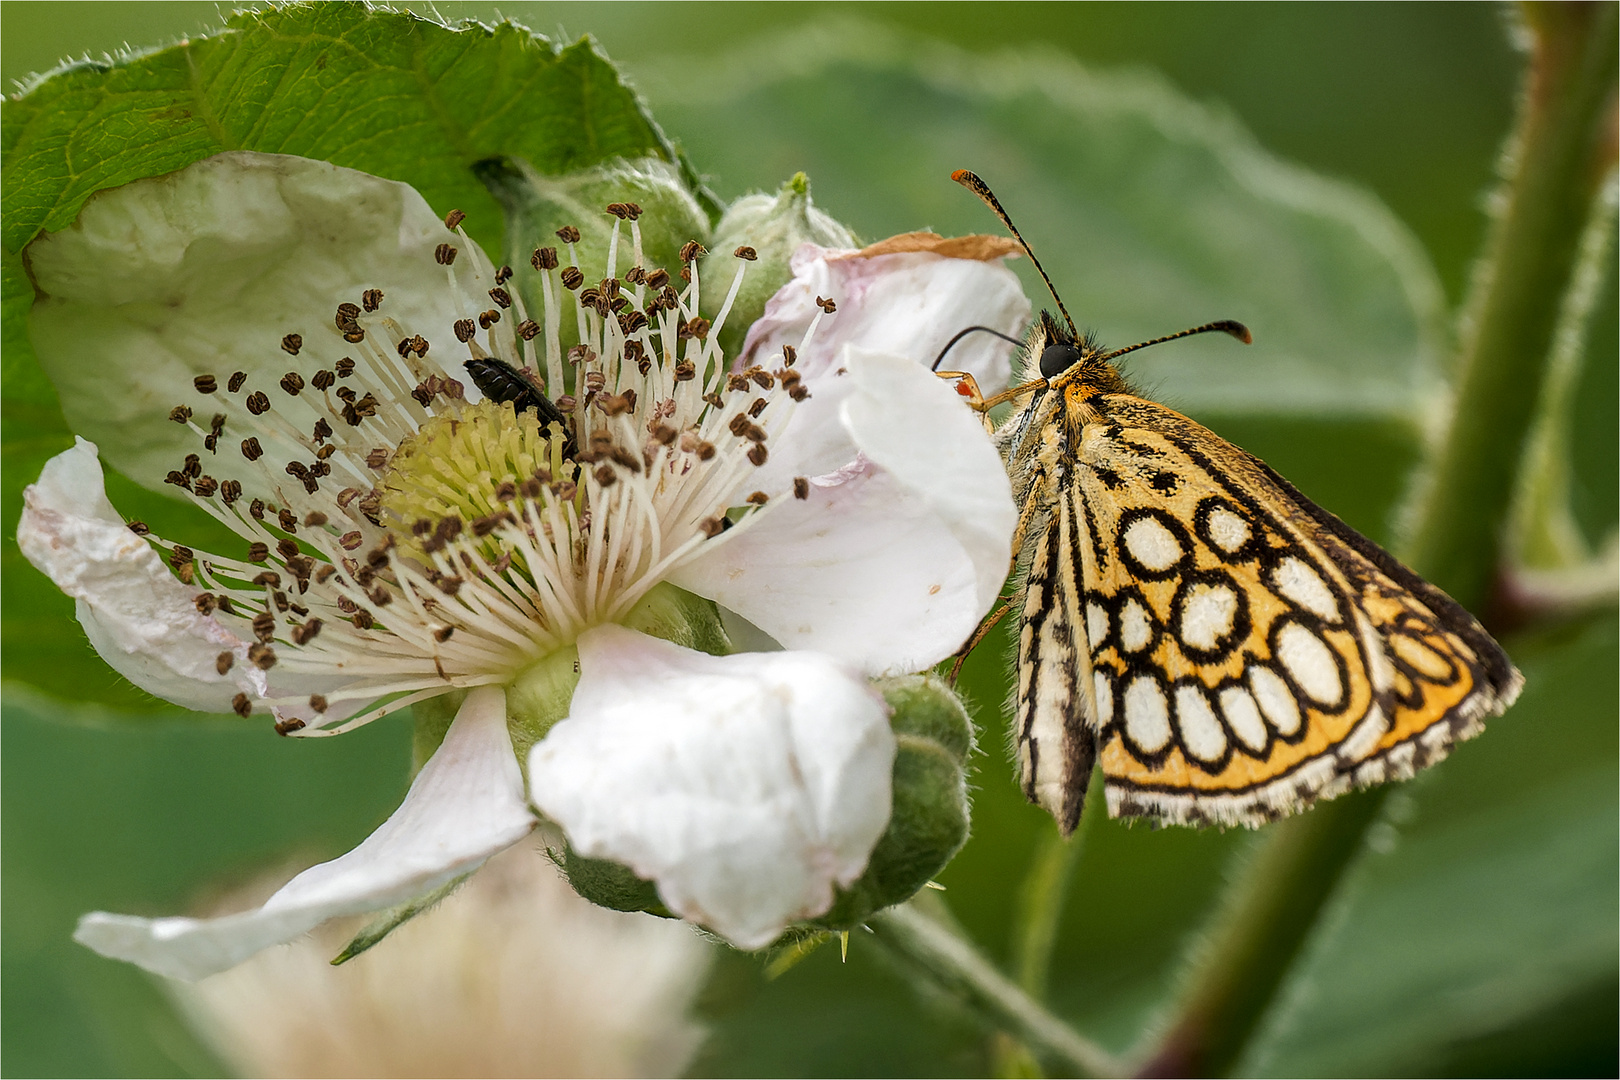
(1223, 648)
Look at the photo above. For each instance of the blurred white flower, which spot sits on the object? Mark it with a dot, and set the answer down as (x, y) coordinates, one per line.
(512, 975)
(403, 540)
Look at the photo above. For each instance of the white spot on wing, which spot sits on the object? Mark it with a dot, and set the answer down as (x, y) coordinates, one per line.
(1104, 683)
(1096, 623)
(1227, 530)
(1206, 615)
(1299, 582)
(1151, 544)
(1311, 663)
(1135, 630)
(1147, 714)
(1363, 739)
(1200, 731)
(1243, 717)
(1275, 699)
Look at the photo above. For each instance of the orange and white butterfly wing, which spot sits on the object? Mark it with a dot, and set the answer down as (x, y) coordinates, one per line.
(1244, 652)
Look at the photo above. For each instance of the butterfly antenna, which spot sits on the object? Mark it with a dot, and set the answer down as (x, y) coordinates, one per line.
(971, 181)
(1225, 326)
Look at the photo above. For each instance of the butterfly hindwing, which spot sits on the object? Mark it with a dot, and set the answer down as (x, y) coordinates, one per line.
(1229, 651)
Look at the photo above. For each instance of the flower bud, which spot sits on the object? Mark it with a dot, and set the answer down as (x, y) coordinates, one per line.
(538, 207)
(927, 827)
(773, 226)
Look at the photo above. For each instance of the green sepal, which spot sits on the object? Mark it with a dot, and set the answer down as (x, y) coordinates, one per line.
(774, 226)
(608, 884)
(931, 815)
(390, 920)
(672, 614)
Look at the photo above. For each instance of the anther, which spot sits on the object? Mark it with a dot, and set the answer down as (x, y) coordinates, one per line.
(685, 371)
(288, 726)
(178, 479)
(705, 450)
(243, 706)
(754, 433)
(758, 498)
(798, 393)
(314, 519)
(344, 367)
(664, 434)
(657, 279)
(140, 528)
(635, 275)
(381, 596)
(453, 219)
(826, 304)
(292, 382)
(738, 424)
(378, 458)
(205, 603)
(528, 329)
(256, 508)
(757, 454)
(224, 661)
(746, 253)
(444, 254)
(236, 382)
(618, 210)
(691, 250)
(442, 634)
(789, 355)
(304, 634)
(251, 448)
(264, 626)
(698, 327)
(267, 579)
(193, 467)
(605, 475)
(205, 486)
(362, 619)
(292, 343)
(257, 403)
(258, 551)
(180, 414)
(465, 330)
(503, 275)
(230, 491)
(544, 258)
(371, 300)
(288, 523)
(326, 571)
(489, 318)
(205, 384)
(317, 702)
(262, 657)
(713, 526)
(501, 297)
(757, 407)
(801, 487)
(568, 234)
(181, 556)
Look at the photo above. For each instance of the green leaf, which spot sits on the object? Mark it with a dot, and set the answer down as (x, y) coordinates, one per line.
(1486, 899)
(1151, 212)
(389, 93)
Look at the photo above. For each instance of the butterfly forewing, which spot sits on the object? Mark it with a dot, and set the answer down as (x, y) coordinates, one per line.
(1234, 652)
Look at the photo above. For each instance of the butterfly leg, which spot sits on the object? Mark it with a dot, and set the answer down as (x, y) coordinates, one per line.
(968, 387)
(973, 642)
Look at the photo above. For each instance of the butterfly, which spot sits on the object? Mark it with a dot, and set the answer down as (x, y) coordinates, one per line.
(1226, 650)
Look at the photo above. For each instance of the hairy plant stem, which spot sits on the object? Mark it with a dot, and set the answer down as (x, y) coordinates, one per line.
(949, 961)
(1561, 151)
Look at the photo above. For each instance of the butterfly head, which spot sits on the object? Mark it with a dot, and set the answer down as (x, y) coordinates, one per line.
(1062, 357)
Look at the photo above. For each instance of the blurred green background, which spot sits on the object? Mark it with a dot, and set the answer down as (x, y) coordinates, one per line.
(1475, 936)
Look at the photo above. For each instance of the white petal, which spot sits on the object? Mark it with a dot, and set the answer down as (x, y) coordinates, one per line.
(891, 561)
(140, 618)
(204, 271)
(746, 786)
(466, 804)
(908, 304)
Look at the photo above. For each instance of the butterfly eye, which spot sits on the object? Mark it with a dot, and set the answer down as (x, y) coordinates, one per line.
(1056, 359)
